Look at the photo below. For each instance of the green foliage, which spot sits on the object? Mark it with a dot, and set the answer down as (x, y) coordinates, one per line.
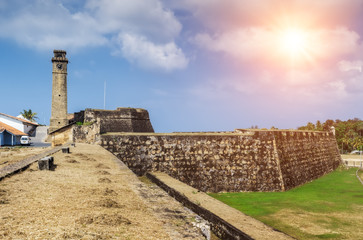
(338, 191)
(349, 134)
(29, 114)
(84, 123)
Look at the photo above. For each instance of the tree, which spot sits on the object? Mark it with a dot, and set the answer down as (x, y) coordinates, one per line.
(328, 124)
(349, 134)
(29, 114)
(310, 126)
(358, 143)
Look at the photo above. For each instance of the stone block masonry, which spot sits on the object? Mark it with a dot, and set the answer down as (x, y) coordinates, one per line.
(209, 162)
(245, 160)
(96, 122)
(46, 163)
(119, 120)
(305, 156)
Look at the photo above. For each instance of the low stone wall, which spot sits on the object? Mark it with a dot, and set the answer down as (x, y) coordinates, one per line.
(220, 227)
(62, 136)
(241, 161)
(24, 164)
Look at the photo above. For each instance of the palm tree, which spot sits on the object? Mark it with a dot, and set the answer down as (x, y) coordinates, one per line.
(358, 143)
(29, 115)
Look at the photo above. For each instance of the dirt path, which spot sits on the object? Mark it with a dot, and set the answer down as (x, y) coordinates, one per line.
(88, 196)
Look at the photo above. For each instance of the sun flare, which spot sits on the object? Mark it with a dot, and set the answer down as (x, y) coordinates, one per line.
(294, 41)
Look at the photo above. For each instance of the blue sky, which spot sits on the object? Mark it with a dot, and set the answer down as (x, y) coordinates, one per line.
(195, 65)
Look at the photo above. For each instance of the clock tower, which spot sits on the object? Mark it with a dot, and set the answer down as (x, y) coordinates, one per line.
(58, 118)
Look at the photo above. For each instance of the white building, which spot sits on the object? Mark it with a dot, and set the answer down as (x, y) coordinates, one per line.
(22, 125)
(9, 136)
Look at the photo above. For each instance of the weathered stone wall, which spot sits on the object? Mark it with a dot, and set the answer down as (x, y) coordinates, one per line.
(305, 156)
(209, 162)
(62, 136)
(95, 122)
(87, 133)
(245, 161)
(119, 120)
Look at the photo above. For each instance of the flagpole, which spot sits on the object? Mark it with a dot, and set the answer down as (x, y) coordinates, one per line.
(104, 96)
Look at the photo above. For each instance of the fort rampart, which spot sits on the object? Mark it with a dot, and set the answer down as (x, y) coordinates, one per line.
(244, 160)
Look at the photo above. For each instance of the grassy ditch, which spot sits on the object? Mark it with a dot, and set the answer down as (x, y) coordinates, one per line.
(327, 208)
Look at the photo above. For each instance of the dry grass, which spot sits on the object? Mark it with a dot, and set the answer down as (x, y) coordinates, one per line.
(12, 155)
(76, 201)
(345, 225)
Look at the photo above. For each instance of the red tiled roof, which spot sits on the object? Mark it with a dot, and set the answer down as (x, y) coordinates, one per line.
(20, 119)
(11, 130)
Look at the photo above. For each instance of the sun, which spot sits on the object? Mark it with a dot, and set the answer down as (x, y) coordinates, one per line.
(293, 41)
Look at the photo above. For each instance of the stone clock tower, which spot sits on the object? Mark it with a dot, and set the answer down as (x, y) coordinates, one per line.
(59, 91)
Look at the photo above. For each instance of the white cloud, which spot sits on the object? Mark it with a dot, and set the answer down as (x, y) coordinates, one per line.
(146, 54)
(249, 30)
(247, 33)
(345, 65)
(264, 44)
(248, 43)
(142, 17)
(47, 25)
(335, 42)
(225, 14)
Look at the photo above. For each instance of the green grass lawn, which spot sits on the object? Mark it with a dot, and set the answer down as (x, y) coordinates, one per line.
(327, 208)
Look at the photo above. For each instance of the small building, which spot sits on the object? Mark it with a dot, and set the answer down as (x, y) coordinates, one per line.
(10, 136)
(62, 135)
(23, 125)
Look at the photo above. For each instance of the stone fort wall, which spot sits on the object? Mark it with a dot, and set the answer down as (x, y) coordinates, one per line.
(245, 160)
(305, 156)
(119, 120)
(95, 122)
